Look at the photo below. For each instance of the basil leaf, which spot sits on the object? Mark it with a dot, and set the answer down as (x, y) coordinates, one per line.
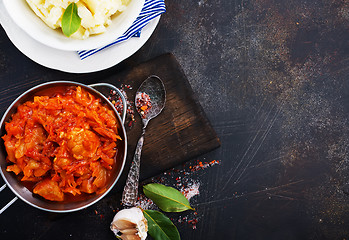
(160, 227)
(166, 198)
(70, 21)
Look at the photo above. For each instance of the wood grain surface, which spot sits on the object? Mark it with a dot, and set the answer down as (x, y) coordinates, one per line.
(181, 132)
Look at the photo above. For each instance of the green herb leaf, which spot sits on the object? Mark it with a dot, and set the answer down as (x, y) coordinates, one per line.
(166, 198)
(160, 227)
(70, 21)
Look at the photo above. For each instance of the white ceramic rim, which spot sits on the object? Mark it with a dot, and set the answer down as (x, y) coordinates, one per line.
(69, 61)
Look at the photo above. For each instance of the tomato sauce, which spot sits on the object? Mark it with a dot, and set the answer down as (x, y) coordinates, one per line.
(63, 144)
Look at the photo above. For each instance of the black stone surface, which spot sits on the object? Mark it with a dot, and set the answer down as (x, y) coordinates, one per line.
(272, 76)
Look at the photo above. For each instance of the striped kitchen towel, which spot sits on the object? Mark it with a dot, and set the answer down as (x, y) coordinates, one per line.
(150, 10)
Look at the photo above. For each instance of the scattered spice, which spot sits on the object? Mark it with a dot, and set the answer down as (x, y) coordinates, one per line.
(191, 190)
(183, 180)
(193, 222)
(143, 103)
(116, 100)
(145, 203)
(200, 165)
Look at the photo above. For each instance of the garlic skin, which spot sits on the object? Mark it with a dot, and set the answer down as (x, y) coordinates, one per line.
(131, 223)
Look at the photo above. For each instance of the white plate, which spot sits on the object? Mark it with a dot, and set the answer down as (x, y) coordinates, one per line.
(25, 18)
(69, 61)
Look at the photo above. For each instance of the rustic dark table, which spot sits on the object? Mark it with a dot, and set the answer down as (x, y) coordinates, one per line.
(272, 77)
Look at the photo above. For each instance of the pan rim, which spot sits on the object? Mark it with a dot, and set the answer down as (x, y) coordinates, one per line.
(101, 95)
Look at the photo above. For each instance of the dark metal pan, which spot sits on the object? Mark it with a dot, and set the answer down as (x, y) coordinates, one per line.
(27, 196)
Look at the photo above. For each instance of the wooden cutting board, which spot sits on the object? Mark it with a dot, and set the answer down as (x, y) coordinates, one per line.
(181, 132)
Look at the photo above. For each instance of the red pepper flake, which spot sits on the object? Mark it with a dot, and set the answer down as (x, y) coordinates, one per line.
(191, 190)
(117, 102)
(145, 203)
(193, 223)
(203, 165)
(143, 102)
(182, 180)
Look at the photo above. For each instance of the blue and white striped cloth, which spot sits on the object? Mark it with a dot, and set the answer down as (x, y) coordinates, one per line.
(150, 10)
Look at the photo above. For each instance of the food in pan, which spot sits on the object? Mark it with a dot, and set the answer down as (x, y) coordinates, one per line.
(95, 14)
(64, 143)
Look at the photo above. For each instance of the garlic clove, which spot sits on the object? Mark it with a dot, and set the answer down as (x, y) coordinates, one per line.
(129, 231)
(122, 224)
(130, 237)
(130, 224)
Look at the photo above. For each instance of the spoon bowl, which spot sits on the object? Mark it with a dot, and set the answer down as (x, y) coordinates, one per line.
(151, 94)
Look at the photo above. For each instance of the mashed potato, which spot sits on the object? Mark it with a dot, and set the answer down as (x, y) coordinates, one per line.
(95, 14)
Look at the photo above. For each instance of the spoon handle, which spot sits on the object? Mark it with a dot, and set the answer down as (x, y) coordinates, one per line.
(130, 193)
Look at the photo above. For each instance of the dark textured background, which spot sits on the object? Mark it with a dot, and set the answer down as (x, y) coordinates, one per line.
(272, 77)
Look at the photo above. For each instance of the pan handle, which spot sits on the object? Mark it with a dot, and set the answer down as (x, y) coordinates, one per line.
(9, 203)
(108, 85)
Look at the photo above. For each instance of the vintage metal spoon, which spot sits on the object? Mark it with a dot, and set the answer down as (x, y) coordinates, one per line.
(150, 100)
